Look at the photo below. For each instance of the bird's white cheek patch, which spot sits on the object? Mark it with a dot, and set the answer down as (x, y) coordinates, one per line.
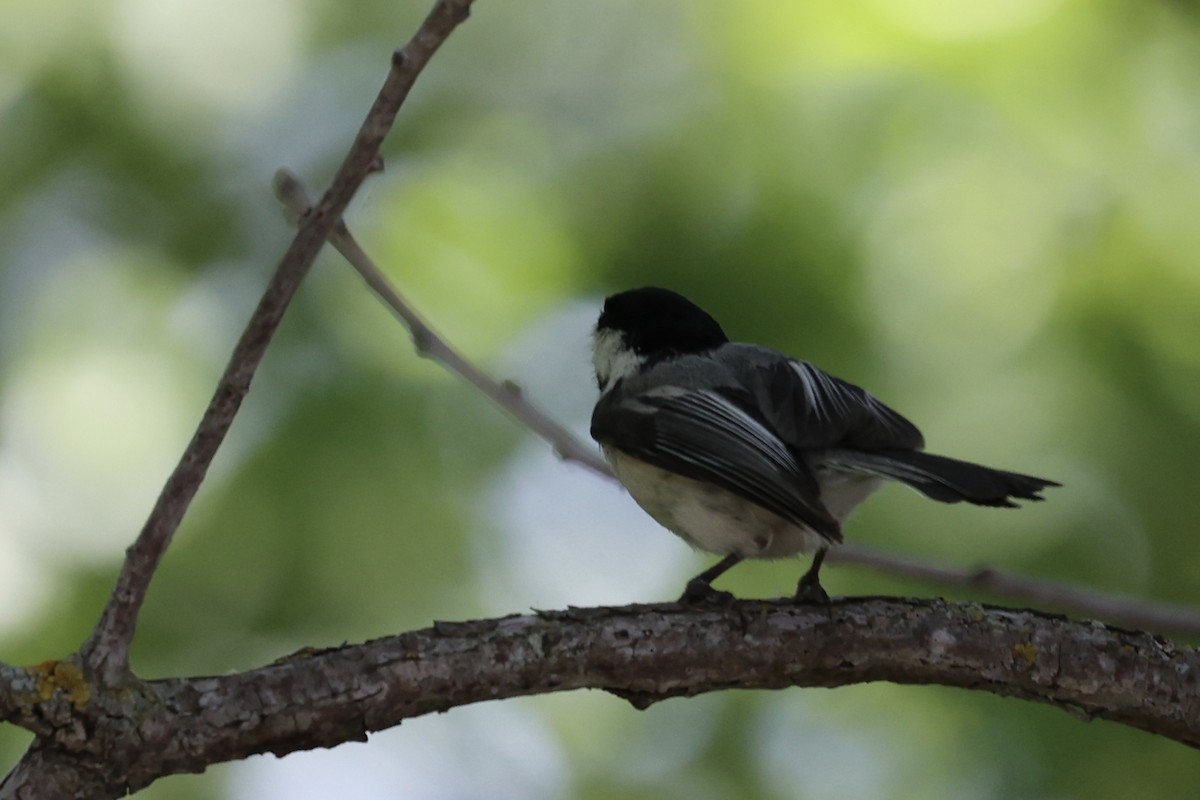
(612, 359)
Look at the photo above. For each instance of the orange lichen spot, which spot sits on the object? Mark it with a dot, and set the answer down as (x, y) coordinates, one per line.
(62, 676)
(1026, 651)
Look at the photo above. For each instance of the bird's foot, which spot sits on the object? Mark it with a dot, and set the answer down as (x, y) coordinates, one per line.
(810, 591)
(699, 591)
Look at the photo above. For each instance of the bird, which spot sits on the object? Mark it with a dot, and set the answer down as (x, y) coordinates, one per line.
(747, 453)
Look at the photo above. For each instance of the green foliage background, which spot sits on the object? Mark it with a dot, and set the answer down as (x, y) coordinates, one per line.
(986, 212)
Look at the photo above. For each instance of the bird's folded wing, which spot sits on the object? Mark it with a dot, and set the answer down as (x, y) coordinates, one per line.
(812, 410)
(707, 435)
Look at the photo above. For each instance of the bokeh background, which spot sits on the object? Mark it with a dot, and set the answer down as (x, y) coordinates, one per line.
(986, 212)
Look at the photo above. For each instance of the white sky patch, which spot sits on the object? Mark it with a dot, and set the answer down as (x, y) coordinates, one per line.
(838, 746)
(88, 438)
(569, 537)
(560, 534)
(24, 584)
(501, 751)
(222, 55)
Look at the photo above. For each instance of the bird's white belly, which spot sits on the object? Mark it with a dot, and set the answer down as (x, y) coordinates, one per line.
(709, 517)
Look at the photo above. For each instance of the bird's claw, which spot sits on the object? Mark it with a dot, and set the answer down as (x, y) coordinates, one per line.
(810, 591)
(699, 591)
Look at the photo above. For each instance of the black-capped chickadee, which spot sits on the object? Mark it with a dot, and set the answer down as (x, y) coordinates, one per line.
(747, 453)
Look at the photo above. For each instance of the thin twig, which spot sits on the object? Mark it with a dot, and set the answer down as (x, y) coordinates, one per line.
(106, 652)
(1124, 610)
(295, 198)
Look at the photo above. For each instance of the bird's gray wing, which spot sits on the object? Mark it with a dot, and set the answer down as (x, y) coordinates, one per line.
(710, 436)
(809, 409)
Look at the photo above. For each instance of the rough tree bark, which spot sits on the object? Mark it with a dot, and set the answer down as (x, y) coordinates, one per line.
(118, 739)
(100, 731)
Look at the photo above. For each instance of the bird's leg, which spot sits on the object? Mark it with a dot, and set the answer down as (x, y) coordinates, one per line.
(699, 589)
(809, 590)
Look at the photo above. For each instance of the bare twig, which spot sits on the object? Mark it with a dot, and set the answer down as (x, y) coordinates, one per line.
(106, 653)
(1124, 610)
(292, 193)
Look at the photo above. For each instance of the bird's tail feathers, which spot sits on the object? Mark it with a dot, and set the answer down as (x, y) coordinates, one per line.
(945, 479)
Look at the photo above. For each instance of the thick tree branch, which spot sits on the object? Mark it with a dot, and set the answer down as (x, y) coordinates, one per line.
(642, 653)
(17, 687)
(106, 652)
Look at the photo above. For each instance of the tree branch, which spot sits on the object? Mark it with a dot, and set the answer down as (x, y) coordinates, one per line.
(297, 202)
(1131, 612)
(48, 697)
(642, 653)
(106, 652)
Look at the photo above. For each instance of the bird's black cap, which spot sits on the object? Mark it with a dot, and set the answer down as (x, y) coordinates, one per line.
(657, 321)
